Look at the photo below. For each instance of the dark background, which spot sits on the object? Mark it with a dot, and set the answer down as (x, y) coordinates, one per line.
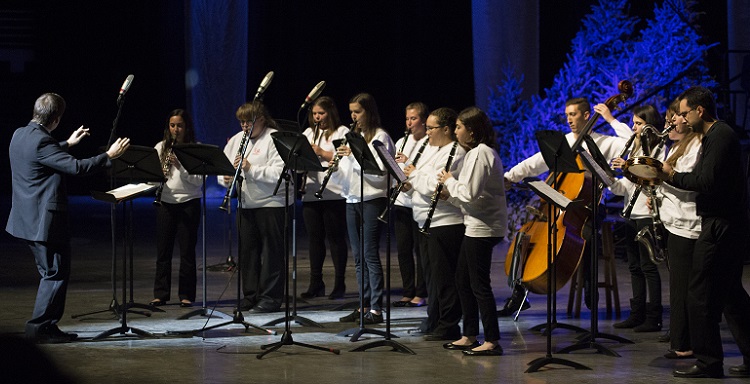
(398, 51)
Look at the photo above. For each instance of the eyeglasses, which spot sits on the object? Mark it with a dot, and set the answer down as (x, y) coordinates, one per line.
(684, 114)
(429, 128)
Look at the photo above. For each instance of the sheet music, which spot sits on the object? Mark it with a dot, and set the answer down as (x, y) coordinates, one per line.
(386, 157)
(548, 193)
(595, 168)
(121, 193)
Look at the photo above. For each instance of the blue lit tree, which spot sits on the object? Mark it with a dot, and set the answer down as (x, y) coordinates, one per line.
(666, 54)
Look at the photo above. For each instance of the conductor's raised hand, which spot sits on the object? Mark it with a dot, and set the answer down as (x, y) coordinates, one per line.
(118, 147)
(78, 135)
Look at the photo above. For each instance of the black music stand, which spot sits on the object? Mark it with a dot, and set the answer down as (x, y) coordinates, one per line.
(395, 171)
(589, 340)
(559, 158)
(369, 165)
(204, 160)
(138, 163)
(298, 155)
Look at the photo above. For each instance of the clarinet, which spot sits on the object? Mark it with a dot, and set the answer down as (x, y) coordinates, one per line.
(397, 190)
(240, 152)
(332, 166)
(165, 170)
(436, 195)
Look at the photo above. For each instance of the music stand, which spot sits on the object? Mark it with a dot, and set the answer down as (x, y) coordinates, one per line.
(138, 163)
(589, 340)
(204, 160)
(393, 171)
(556, 153)
(369, 165)
(559, 158)
(298, 155)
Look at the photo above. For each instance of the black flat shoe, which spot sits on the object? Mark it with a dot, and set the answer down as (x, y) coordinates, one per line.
(674, 355)
(497, 351)
(454, 347)
(400, 304)
(695, 372)
(157, 302)
(350, 318)
(418, 304)
(314, 292)
(371, 318)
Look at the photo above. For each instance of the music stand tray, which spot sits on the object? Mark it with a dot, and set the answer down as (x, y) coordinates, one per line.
(203, 159)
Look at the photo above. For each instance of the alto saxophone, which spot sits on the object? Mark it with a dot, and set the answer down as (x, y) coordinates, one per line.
(166, 164)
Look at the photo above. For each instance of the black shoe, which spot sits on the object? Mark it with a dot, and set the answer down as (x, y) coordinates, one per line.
(400, 304)
(157, 302)
(420, 303)
(350, 318)
(314, 291)
(185, 303)
(740, 370)
(511, 307)
(338, 293)
(497, 351)
(247, 304)
(630, 322)
(454, 347)
(673, 355)
(53, 335)
(372, 318)
(265, 308)
(695, 371)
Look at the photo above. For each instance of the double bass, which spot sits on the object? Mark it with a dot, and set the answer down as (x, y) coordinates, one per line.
(528, 252)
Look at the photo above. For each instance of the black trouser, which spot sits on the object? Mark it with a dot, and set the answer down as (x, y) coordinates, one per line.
(680, 264)
(53, 264)
(407, 234)
(326, 220)
(176, 222)
(443, 247)
(261, 253)
(474, 288)
(716, 288)
(644, 274)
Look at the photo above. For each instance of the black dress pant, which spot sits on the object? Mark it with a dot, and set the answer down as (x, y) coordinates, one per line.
(443, 247)
(176, 223)
(53, 264)
(325, 220)
(261, 255)
(474, 287)
(407, 247)
(716, 288)
(680, 264)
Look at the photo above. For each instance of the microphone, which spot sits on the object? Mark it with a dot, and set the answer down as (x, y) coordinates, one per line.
(316, 91)
(263, 85)
(125, 87)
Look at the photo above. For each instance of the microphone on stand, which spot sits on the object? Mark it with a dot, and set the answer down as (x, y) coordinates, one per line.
(263, 85)
(124, 88)
(316, 91)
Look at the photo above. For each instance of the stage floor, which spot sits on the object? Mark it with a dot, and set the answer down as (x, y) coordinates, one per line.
(228, 354)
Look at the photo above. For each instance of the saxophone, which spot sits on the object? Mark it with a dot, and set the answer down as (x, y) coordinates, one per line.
(333, 165)
(436, 195)
(166, 164)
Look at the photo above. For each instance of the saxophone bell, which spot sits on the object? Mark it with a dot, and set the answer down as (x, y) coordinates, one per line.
(166, 165)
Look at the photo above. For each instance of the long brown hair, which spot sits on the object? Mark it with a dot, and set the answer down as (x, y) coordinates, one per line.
(369, 127)
(478, 123)
(332, 119)
(189, 136)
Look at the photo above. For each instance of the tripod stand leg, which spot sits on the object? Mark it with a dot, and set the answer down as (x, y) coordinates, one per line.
(395, 347)
(537, 364)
